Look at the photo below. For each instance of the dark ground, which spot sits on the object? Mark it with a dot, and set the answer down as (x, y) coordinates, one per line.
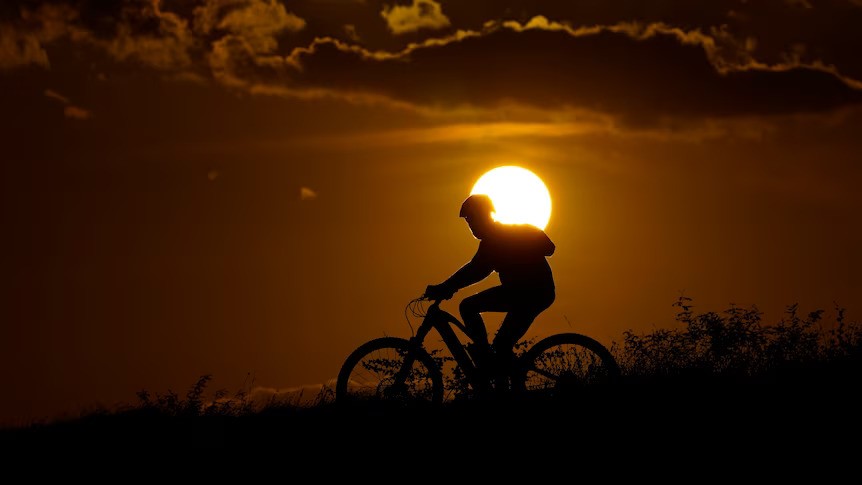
(816, 408)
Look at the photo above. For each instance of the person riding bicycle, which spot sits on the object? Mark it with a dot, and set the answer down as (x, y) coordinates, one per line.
(518, 253)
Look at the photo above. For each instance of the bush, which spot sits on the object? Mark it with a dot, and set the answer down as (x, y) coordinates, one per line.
(737, 342)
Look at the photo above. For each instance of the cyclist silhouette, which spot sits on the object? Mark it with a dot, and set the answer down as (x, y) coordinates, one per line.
(518, 254)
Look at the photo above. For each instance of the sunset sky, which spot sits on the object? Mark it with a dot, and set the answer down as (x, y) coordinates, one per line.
(256, 187)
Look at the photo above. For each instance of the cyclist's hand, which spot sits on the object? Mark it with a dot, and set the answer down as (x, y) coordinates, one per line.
(438, 292)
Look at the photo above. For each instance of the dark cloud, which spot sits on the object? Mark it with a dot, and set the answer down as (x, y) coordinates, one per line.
(24, 33)
(827, 32)
(694, 63)
(164, 35)
(640, 73)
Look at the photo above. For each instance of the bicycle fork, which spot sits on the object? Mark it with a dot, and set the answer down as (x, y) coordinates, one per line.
(415, 343)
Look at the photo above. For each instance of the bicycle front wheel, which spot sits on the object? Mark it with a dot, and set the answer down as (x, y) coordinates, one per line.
(564, 363)
(377, 371)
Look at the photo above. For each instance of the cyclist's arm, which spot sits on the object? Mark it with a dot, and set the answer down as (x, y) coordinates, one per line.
(474, 271)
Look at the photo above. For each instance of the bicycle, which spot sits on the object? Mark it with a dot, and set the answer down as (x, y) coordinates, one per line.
(393, 368)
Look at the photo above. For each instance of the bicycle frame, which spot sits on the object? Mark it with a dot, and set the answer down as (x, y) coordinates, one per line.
(585, 360)
(442, 321)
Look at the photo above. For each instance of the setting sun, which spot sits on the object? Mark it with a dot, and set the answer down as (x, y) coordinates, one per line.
(519, 195)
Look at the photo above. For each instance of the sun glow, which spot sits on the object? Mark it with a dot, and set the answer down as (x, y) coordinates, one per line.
(519, 195)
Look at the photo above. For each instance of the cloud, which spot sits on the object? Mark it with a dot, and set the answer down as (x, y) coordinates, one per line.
(565, 127)
(76, 113)
(50, 93)
(422, 14)
(19, 49)
(165, 45)
(69, 110)
(145, 31)
(260, 18)
(351, 33)
(141, 31)
(306, 193)
(245, 17)
(644, 74)
(23, 40)
(249, 37)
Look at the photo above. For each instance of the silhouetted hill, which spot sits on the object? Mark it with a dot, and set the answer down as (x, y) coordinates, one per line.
(817, 402)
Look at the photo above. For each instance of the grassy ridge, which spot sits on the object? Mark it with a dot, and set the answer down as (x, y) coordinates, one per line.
(717, 373)
(821, 402)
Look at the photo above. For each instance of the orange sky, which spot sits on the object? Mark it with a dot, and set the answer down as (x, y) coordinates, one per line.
(192, 187)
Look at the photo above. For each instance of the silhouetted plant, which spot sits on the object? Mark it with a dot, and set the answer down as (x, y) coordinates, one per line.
(417, 383)
(325, 396)
(844, 342)
(736, 343)
(794, 339)
(195, 403)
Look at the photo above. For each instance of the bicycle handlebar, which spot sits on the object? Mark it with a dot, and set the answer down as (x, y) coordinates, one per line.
(452, 319)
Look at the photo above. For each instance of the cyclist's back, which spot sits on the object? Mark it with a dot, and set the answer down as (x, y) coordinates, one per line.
(517, 253)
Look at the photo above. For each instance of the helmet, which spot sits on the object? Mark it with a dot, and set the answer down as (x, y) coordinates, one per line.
(476, 204)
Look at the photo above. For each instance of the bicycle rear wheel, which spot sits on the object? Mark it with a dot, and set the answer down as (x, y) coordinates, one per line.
(564, 363)
(371, 371)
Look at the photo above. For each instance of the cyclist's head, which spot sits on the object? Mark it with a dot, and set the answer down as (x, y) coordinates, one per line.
(477, 205)
(477, 210)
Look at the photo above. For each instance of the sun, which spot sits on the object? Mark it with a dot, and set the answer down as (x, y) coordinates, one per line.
(519, 195)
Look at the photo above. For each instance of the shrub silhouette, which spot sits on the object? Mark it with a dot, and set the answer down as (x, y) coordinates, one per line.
(195, 404)
(738, 343)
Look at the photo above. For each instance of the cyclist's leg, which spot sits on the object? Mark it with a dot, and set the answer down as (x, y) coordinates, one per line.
(491, 300)
(514, 326)
(523, 311)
